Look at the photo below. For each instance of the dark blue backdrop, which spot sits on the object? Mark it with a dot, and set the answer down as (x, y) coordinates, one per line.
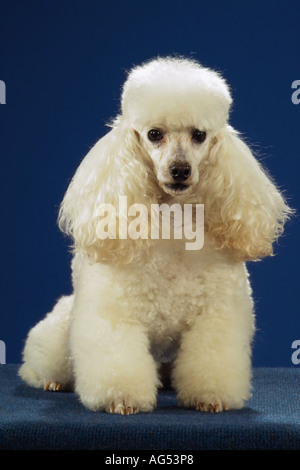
(63, 64)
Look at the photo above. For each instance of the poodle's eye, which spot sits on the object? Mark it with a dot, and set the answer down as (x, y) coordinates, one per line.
(155, 135)
(198, 136)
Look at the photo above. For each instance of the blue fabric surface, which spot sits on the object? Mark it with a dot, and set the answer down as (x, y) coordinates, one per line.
(34, 419)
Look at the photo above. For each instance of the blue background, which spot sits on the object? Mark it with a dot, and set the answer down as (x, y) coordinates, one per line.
(64, 62)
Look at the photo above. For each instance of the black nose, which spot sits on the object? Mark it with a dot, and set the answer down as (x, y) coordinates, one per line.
(180, 171)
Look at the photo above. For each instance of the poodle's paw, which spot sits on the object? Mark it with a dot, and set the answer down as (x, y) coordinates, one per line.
(212, 404)
(127, 404)
(53, 387)
(123, 407)
(207, 402)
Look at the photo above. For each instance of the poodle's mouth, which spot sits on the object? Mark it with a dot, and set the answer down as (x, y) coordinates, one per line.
(177, 187)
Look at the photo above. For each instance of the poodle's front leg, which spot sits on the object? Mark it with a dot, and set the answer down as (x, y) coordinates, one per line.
(113, 368)
(213, 368)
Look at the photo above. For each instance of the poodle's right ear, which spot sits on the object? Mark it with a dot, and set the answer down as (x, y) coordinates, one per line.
(114, 167)
(245, 211)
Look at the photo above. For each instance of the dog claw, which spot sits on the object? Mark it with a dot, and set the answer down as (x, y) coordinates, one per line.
(47, 385)
(52, 386)
(131, 410)
(211, 407)
(122, 409)
(112, 408)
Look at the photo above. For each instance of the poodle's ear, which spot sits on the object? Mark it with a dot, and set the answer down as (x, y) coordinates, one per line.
(244, 210)
(114, 167)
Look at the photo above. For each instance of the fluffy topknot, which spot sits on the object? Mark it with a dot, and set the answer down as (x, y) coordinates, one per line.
(175, 92)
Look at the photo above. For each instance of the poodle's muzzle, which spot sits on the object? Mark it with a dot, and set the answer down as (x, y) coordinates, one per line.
(180, 173)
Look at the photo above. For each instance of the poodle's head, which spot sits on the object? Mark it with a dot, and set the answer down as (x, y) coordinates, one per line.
(172, 142)
(175, 106)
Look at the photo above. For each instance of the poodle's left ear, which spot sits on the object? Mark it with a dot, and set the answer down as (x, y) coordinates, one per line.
(114, 167)
(244, 211)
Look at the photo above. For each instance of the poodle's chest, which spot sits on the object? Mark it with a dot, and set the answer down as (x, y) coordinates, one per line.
(165, 293)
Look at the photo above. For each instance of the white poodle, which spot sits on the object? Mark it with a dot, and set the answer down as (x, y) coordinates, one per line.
(141, 301)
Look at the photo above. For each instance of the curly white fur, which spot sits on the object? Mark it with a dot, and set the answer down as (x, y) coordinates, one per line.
(141, 302)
